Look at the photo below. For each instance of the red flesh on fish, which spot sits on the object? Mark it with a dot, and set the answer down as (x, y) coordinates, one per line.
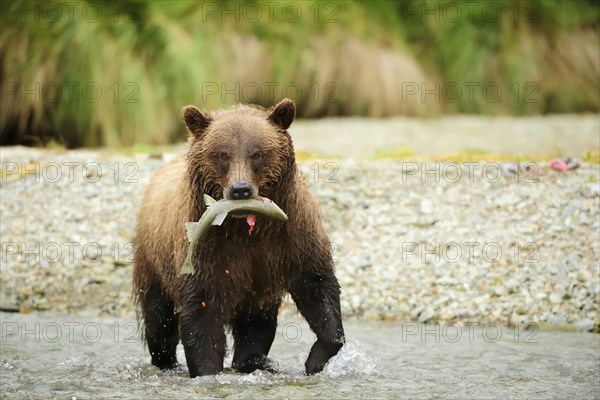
(251, 220)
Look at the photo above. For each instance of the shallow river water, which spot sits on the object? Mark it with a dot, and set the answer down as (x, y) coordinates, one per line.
(51, 356)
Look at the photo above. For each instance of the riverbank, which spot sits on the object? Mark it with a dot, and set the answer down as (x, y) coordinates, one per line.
(412, 241)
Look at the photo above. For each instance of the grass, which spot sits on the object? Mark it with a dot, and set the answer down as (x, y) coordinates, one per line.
(137, 149)
(149, 58)
(405, 153)
(397, 153)
(304, 156)
(592, 157)
(544, 326)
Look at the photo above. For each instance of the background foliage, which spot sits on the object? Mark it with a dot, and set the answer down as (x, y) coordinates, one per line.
(93, 73)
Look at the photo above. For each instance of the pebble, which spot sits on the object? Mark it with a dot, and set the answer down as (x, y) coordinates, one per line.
(585, 324)
(506, 199)
(426, 315)
(426, 206)
(557, 296)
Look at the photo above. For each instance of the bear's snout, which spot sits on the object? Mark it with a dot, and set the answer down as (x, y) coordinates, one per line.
(241, 190)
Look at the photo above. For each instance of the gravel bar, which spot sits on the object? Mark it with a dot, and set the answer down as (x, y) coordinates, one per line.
(412, 241)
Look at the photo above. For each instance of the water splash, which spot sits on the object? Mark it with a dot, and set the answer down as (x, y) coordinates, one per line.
(255, 378)
(351, 359)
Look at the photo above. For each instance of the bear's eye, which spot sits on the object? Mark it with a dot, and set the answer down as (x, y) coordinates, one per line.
(223, 156)
(256, 156)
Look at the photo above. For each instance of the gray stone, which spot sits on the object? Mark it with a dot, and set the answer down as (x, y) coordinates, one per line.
(585, 324)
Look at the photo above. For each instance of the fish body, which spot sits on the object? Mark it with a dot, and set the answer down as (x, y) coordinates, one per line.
(216, 213)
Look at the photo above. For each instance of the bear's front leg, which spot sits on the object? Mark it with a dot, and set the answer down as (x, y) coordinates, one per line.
(317, 296)
(203, 337)
(253, 333)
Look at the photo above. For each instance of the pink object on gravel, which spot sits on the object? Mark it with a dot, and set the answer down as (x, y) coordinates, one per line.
(558, 165)
(564, 164)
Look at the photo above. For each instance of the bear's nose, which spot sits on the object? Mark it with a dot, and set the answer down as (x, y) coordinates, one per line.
(241, 190)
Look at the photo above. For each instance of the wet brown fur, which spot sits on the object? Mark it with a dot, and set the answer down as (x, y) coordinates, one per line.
(235, 270)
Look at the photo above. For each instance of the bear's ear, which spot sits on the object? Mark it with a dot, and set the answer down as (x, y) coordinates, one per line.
(195, 120)
(283, 114)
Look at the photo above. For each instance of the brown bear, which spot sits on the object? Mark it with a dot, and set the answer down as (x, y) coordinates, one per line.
(240, 277)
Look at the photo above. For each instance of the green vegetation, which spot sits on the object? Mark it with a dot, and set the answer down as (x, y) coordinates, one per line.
(395, 153)
(405, 153)
(592, 157)
(106, 73)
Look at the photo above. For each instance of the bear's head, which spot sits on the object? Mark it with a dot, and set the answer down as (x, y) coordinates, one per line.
(241, 152)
